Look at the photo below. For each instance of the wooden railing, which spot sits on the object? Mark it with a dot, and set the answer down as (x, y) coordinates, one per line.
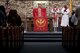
(30, 24)
(11, 38)
(71, 37)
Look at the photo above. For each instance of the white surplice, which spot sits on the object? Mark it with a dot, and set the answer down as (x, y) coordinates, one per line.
(65, 17)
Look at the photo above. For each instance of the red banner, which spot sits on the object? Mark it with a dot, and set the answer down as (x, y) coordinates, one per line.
(40, 24)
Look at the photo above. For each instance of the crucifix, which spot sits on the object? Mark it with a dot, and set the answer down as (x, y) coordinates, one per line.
(7, 2)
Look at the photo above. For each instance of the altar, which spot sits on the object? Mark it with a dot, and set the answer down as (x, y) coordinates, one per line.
(29, 24)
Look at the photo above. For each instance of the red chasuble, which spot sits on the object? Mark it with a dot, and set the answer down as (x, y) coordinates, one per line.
(36, 12)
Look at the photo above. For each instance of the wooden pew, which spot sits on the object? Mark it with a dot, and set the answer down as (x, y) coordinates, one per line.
(71, 38)
(11, 38)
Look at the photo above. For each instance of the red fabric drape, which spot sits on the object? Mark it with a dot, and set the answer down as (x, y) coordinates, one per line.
(40, 24)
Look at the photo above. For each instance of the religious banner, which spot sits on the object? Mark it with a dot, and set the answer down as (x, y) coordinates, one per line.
(40, 24)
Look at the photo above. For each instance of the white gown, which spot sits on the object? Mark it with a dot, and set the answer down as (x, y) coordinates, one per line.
(65, 17)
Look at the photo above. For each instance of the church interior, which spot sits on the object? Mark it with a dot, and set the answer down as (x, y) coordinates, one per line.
(38, 30)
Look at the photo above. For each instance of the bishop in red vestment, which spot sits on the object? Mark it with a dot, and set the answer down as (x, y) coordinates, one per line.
(40, 19)
(39, 12)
